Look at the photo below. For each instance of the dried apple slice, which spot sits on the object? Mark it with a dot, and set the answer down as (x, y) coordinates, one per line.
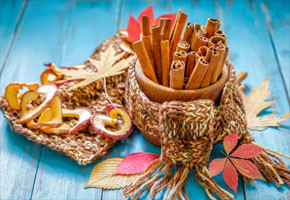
(83, 115)
(48, 76)
(55, 112)
(47, 115)
(51, 116)
(64, 128)
(52, 75)
(100, 122)
(29, 113)
(12, 90)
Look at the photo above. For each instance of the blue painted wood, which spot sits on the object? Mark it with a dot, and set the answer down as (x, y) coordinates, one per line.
(277, 17)
(11, 12)
(67, 32)
(251, 51)
(19, 157)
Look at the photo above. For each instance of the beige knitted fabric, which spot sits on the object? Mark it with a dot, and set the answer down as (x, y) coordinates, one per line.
(85, 146)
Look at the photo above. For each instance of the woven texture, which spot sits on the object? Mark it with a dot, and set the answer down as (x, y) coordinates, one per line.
(86, 145)
(228, 117)
(186, 132)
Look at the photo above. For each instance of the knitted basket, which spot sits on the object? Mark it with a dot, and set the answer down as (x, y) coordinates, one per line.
(85, 146)
(187, 132)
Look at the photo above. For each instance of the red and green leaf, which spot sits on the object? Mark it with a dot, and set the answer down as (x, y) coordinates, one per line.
(135, 163)
(230, 176)
(216, 166)
(247, 151)
(247, 168)
(230, 142)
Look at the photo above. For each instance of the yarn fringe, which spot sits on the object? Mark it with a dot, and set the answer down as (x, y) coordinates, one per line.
(159, 176)
(272, 168)
(203, 178)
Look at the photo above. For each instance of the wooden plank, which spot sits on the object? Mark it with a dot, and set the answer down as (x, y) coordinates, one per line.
(277, 17)
(88, 24)
(18, 156)
(40, 39)
(11, 15)
(251, 51)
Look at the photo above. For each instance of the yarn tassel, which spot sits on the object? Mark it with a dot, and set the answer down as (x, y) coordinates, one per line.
(272, 168)
(203, 178)
(157, 177)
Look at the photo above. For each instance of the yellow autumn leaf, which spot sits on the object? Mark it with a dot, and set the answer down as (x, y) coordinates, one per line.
(101, 176)
(110, 63)
(255, 103)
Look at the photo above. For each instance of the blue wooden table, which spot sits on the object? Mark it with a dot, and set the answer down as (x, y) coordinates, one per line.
(67, 32)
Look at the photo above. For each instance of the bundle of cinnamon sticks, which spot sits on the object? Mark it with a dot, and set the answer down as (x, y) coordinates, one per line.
(190, 61)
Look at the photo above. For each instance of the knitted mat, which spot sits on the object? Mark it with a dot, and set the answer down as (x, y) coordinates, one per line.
(85, 146)
(187, 132)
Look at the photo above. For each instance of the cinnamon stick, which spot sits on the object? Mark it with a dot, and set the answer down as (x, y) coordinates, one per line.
(198, 41)
(202, 51)
(221, 53)
(145, 27)
(216, 40)
(148, 46)
(211, 26)
(183, 46)
(212, 65)
(144, 60)
(241, 76)
(165, 62)
(198, 74)
(177, 32)
(177, 74)
(165, 25)
(207, 55)
(196, 28)
(174, 25)
(202, 31)
(190, 63)
(156, 37)
(224, 60)
(180, 55)
(188, 32)
(220, 33)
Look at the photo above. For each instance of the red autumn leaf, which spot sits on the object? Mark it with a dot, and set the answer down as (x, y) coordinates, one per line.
(171, 16)
(134, 26)
(148, 11)
(230, 176)
(230, 142)
(247, 168)
(133, 29)
(247, 151)
(135, 163)
(216, 166)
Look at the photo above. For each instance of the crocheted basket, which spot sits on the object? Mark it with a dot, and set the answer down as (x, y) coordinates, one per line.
(187, 132)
